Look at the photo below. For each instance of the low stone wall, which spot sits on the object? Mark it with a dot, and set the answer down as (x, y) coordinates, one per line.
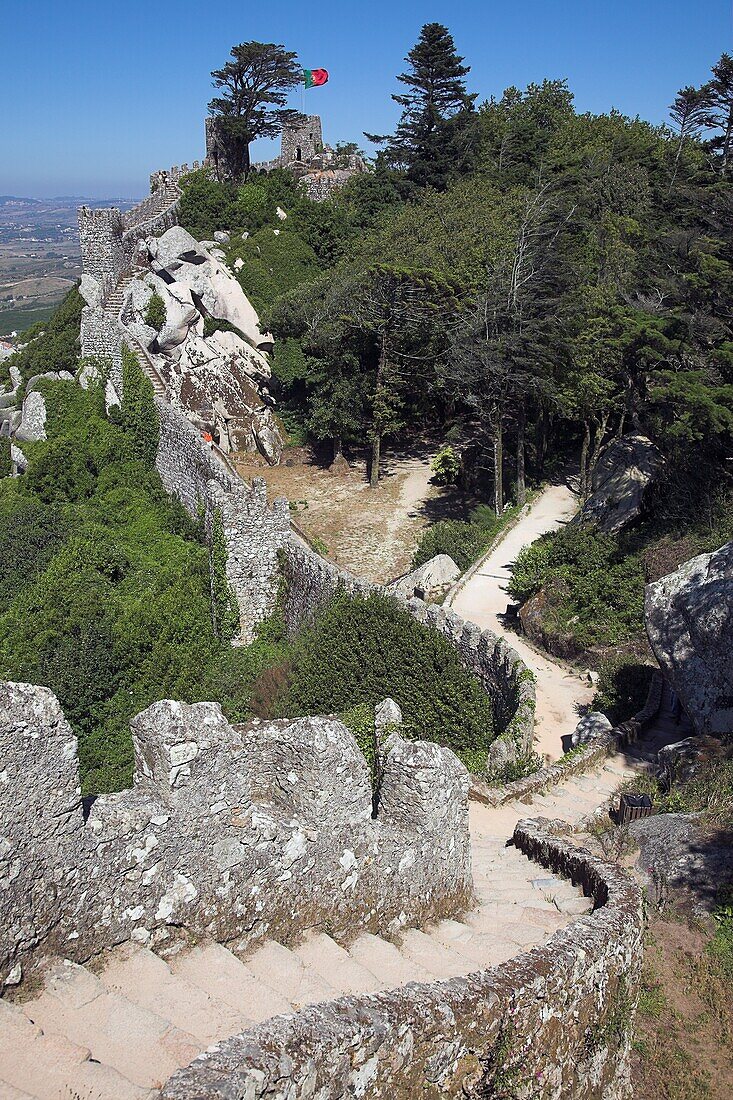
(552, 1023)
(578, 761)
(311, 581)
(236, 835)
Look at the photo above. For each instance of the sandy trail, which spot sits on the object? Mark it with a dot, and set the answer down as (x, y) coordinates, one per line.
(560, 693)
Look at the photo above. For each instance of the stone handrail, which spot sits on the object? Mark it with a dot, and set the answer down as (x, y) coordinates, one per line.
(554, 1022)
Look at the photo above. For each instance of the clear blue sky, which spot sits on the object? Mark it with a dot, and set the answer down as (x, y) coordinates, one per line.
(95, 97)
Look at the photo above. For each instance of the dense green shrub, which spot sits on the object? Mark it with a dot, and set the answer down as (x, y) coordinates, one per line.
(155, 312)
(602, 585)
(623, 686)
(6, 464)
(445, 466)
(463, 541)
(273, 263)
(363, 650)
(139, 415)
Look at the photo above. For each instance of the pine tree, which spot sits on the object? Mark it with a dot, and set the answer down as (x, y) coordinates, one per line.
(688, 114)
(433, 109)
(719, 115)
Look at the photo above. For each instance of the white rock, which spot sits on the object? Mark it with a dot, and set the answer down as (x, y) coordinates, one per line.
(32, 425)
(173, 244)
(281, 213)
(430, 580)
(222, 237)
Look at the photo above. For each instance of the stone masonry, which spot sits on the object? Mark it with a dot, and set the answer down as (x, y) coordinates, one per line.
(552, 1023)
(236, 835)
(254, 532)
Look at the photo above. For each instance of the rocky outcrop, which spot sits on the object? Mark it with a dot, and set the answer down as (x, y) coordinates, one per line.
(221, 380)
(622, 476)
(682, 860)
(429, 581)
(689, 620)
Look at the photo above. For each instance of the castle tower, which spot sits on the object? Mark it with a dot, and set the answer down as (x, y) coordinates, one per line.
(302, 143)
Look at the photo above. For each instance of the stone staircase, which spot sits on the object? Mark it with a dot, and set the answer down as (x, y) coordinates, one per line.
(120, 1026)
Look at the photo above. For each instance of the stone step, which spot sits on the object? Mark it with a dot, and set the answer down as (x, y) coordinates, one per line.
(480, 950)
(146, 980)
(51, 1067)
(138, 1043)
(7, 1092)
(220, 973)
(384, 960)
(323, 956)
(277, 967)
(430, 954)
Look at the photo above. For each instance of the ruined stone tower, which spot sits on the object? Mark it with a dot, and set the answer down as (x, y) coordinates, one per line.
(302, 143)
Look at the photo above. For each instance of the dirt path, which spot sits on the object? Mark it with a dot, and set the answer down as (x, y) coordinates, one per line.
(370, 532)
(483, 600)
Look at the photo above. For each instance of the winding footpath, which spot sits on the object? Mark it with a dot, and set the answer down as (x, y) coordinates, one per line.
(120, 1028)
(483, 600)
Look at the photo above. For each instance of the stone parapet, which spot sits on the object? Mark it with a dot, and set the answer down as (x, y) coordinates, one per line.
(225, 834)
(555, 1022)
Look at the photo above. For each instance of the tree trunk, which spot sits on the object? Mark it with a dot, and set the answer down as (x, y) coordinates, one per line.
(597, 444)
(540, 441)
(338, 447)
(498, 468)
(376, 450)
(521, 483)
(584, 461)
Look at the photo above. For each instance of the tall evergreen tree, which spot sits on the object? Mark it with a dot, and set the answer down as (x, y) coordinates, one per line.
(719, 114)
(433, 109)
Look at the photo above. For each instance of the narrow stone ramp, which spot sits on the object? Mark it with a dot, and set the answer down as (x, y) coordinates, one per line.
(120, 1028)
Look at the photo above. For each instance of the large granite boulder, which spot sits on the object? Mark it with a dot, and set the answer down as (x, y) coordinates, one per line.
(689, 620)
(32, 426)
(429, 581)
(625, 470)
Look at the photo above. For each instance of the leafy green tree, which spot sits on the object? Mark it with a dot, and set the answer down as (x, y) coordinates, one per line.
(254, 88)
(433, 107)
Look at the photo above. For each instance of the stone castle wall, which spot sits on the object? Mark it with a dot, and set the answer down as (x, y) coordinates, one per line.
(234, 834)
(552, 1023)
(109, 240)
(254, 532)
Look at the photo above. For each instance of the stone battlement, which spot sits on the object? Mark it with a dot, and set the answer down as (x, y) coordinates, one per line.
(236, 835)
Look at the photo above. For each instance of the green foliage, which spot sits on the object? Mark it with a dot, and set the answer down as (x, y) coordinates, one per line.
(224, 606)
(139, 417)
(51, 345)
(272, 264)
(6, 463)
(155, 312)
(463, 541)
(446, 466)
(213, 324)
(361, 651)
(360, 720)
(720, 946)
(206, 205)
(597, 590)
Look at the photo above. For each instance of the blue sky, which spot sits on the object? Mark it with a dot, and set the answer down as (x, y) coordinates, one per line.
(96, 97)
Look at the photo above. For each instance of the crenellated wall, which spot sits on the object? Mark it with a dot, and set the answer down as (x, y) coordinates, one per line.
(553, 1023)
(233, 834)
